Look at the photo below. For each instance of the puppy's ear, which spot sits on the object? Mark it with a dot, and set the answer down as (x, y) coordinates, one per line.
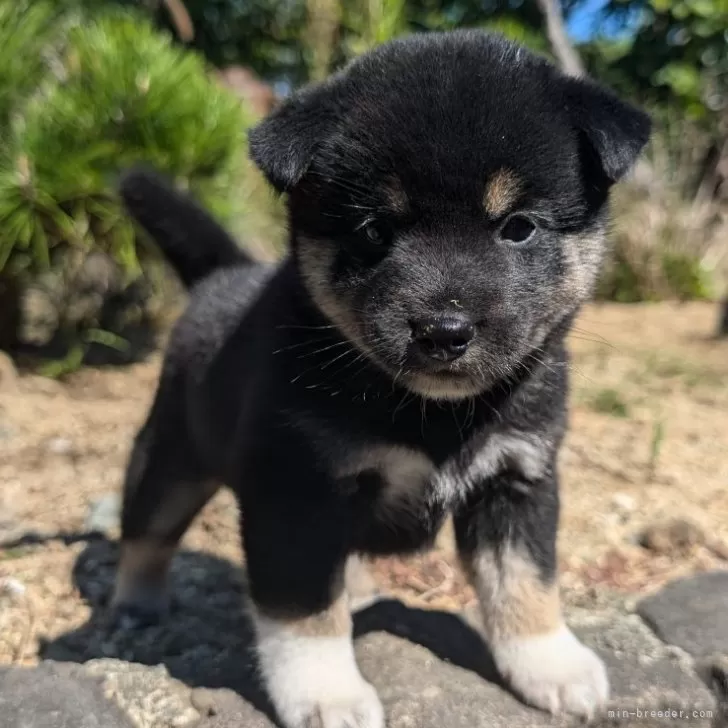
(615, 130)
(283, 144)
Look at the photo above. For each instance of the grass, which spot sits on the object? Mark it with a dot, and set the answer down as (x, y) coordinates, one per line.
(656, 442)
(11, 554)
(610, 402)
(690, 373)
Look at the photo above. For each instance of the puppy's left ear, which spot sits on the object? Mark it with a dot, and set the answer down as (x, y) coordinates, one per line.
(283, 144)
(616, 130)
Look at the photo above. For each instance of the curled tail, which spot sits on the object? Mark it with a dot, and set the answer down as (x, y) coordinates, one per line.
(191, 240)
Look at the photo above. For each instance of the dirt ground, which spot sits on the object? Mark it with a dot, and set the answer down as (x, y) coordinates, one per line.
(644, 473)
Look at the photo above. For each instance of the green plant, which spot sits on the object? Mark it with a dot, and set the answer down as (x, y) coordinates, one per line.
(610, 402)
(74, 358)
(29, 32)
(656, 442)
(113, 93)
(667, 242)
(372, 22)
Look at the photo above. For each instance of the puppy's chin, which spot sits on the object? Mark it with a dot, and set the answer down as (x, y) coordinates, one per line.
(442, 386)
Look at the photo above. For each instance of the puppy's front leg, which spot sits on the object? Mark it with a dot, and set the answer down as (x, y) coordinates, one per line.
(296, 556)
(506, 537)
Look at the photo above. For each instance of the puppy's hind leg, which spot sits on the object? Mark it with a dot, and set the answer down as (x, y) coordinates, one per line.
(163, 492)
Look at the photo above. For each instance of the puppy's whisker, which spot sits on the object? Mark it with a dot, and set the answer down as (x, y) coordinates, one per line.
(325, 348)
(309, 328)
(408, 396)
(335, 359)
(300, 344)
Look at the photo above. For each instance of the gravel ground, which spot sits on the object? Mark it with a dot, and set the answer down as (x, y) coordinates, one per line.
(644, 474)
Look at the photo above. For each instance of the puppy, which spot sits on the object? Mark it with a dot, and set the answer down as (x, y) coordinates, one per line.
(447, 199)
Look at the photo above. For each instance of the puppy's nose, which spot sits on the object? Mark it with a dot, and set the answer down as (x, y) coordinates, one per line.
(445, 338)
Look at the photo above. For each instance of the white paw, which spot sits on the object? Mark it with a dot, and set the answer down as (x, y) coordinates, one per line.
(310, 703)
(555, 672)
(314, 682)
(360, 710)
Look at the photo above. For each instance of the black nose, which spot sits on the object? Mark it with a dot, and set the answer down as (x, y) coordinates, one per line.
(445, 338)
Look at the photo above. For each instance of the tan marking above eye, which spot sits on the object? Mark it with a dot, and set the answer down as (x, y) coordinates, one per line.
(501, 192)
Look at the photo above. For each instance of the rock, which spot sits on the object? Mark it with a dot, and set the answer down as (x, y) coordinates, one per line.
(430, 668)
(40, 319)
(645, 673)
(423, 688)
(420, 691)
(225, 709)
(691, 613)
(104, 514)
(148, 695)
(677, 536)
(55, 695)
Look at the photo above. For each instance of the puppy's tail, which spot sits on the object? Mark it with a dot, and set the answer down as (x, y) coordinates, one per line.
(191, 240)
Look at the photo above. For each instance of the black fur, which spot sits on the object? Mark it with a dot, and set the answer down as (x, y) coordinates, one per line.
(275, 376)
(176, 220)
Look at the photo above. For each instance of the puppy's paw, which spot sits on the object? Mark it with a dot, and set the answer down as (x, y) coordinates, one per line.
(311, 704)
(314, 682)
(555, 672)
(362, 710)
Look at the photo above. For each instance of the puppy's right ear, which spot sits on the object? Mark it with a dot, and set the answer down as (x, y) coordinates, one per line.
(283, 144)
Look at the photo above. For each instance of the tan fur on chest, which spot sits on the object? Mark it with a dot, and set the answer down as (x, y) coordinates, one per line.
(405, 472)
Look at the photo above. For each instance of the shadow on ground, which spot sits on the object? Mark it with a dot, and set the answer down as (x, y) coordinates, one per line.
(206, 640)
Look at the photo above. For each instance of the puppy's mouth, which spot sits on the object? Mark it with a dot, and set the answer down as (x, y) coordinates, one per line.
(446, 384)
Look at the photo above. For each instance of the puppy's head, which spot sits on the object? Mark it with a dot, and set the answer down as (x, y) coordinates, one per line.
(447, 199)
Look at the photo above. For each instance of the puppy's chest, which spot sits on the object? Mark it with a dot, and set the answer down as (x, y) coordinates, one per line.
(397, 474)
(389, 473)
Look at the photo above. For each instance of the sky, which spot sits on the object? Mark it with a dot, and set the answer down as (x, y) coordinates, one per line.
(585, 19)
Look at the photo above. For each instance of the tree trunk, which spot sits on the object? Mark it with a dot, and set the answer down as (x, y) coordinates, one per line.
(180, 19)
(559, 39)
(10, 312)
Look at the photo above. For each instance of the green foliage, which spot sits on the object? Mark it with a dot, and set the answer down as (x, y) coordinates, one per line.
(103, 90)
(675, 51)
(667, 275)
(369, 23)
(116, 94)
(271, 36)
(685, 276)
(610, 402)
(28, 33)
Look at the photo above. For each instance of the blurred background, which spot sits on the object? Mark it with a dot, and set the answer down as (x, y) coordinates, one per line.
(88, 87)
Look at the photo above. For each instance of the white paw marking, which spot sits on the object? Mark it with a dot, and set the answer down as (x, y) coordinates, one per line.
(314, 682)
(555, 672)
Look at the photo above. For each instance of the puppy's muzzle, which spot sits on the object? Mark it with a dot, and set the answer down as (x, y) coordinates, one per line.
(444, 338)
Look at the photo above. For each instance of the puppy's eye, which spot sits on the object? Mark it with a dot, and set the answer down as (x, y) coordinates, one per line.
(373, 235)
(518, 229)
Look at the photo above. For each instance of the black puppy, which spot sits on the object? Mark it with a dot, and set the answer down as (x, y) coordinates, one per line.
(447, 197)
